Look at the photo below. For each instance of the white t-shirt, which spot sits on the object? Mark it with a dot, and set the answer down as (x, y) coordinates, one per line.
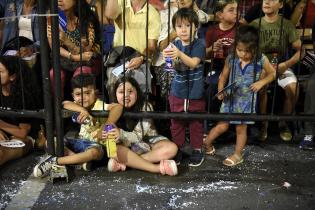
(25, 28)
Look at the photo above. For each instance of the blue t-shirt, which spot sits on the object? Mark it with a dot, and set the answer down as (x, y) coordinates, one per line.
(188, 83)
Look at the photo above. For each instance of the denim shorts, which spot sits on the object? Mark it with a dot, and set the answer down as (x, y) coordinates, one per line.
(82, 145)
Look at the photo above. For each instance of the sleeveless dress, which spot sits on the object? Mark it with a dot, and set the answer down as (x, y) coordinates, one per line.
(240, 98)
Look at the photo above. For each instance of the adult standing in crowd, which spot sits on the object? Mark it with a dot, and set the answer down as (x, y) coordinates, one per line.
(136, 12)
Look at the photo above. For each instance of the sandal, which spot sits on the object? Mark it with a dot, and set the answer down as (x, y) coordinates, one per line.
(210, 150)
(230, 162)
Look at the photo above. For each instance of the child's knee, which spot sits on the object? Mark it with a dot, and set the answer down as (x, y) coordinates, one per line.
(222, 127)
(95, 153)
(170, 150)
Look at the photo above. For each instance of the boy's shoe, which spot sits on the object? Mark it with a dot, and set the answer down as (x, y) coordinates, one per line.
(87, 166)
(44, 166)
(140, 148)
(307, 143)
(114, 166)
(168, 167)
(178, 157)
(196, 158)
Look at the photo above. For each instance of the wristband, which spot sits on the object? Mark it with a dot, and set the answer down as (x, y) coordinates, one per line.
(69, 55)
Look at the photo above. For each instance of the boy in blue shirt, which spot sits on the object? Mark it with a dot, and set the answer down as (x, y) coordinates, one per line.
(187, 87)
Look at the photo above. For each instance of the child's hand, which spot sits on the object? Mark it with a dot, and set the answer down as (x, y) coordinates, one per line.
(172, 52)
(221, 95)
(255, 87)
(114, 133)
(217, 45)
(84, 114)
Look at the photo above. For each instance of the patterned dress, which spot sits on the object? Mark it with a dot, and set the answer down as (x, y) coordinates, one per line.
(240, 98)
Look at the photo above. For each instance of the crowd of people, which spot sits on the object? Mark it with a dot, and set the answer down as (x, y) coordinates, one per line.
(219, 56)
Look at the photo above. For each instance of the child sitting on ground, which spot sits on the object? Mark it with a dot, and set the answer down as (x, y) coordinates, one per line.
(245, 72)
(86, 148)
(149, 151)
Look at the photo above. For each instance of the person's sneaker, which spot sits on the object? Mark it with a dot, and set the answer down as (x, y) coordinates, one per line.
(178, 157)
(114, 166)
(168, 167)
(196, 158)
(44, 166)
(140, 148)
(87, 166)
(307, 143)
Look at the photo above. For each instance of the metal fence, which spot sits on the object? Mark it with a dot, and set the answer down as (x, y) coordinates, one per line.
(53, 113)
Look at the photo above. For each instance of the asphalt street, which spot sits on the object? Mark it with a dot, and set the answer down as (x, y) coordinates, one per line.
(274, 175)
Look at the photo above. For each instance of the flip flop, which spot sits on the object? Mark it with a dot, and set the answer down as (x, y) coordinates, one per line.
(210, 150)
(13, 143)
(229, 162)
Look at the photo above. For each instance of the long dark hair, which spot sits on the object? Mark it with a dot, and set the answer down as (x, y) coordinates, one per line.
(88, 16)
(25, 86)
(129, 124)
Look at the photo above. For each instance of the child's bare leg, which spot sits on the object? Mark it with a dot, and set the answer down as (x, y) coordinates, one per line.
(215, 132)
(241, 138)
(131, 159)
(162, 150)
(83, 157)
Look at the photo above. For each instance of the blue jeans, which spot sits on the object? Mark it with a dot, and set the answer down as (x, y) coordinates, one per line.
(82, 145)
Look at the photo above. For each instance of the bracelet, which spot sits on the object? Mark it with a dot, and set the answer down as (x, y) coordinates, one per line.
(69, 55)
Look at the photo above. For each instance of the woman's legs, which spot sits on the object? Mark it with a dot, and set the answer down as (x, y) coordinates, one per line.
(162, 150)
(7, 154)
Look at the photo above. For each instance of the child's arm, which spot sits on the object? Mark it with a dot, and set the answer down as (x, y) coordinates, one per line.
(223, 78)
(115, 111)
(293, 60)
(270, 75)
(175, 53)
(84, 114)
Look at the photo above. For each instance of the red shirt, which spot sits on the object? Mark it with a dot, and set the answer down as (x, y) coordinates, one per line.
(214, 33)
(309, 16)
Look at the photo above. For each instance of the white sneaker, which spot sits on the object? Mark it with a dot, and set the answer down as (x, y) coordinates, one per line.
(44, 166)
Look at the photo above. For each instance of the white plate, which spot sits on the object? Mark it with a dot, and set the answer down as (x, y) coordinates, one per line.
(13, 143)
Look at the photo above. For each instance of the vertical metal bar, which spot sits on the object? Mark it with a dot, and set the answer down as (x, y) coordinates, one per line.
(57, 77)
(147, 55)
(44, 56)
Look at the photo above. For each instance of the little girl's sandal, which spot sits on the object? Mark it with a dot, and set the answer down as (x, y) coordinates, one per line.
(210, 150)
